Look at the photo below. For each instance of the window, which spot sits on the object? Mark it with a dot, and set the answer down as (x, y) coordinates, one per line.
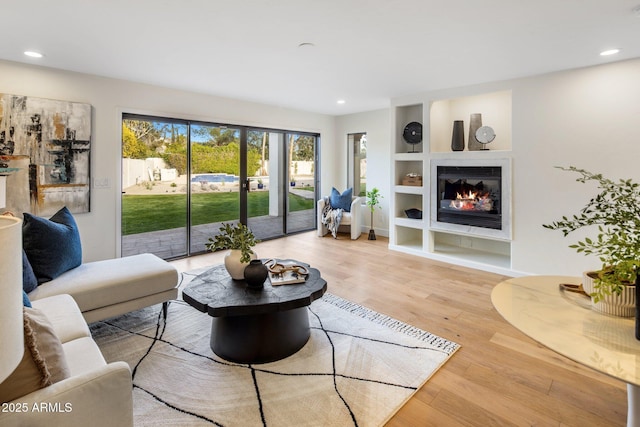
(357, 163)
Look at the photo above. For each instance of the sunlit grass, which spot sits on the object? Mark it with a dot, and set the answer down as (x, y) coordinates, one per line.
(145, 213)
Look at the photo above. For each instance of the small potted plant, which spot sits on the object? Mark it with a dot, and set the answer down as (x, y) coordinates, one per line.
(239, 239)
(373, 200)
(615, 211)
(260, 184)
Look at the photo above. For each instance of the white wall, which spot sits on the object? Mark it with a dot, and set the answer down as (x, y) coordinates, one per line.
(377, 126)
(589, 118)
(99, 229)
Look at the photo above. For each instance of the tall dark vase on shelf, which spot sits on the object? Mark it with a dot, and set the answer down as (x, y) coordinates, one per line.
(475, 123)
(457, 137)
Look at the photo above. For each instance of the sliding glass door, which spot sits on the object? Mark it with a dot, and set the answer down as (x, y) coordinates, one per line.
(181, 180)
(215, 181)
(265, 183)
(154, 187)
(301, 166)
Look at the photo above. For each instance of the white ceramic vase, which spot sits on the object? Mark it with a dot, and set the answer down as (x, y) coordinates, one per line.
(232, 263)
(623, 305)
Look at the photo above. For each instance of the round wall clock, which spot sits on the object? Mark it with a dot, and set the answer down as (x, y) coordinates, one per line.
(412, 134)
(485, 135)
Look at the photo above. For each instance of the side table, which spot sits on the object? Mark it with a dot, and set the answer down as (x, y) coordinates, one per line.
(564, 322)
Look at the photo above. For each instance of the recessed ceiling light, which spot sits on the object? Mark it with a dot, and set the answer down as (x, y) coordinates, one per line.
(341, 101)
(609, 52)
(33, 54)
(306, 45)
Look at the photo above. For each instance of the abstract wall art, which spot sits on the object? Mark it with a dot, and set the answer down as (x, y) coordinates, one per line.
(47, 146)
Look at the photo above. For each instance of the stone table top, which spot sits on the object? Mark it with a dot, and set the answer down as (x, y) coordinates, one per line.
(214, 292)
(565, 322)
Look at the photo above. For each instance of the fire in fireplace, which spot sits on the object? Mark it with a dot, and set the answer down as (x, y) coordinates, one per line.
(470, 195)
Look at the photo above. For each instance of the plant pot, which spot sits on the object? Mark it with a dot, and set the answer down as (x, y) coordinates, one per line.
(232, 263)
(623, 305)
(588, 281)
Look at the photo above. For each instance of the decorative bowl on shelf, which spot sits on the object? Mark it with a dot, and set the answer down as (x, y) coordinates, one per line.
(413, 213)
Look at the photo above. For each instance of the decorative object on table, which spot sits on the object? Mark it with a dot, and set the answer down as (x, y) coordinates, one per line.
(412, 179)
(286, 272)
(457, 136)
(373, 200)
(484, 135)
(255, 274)
(49, 142)
(412, 134)
(239, 239)
(615, 210)
(413, 213)
(475, 123)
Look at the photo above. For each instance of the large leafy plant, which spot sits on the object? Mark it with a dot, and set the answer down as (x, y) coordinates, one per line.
(615, 211)
(231, 236)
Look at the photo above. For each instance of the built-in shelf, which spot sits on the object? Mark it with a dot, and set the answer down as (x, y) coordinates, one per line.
(419, 237)
(494, 107)
(409, 189)
(403, 116)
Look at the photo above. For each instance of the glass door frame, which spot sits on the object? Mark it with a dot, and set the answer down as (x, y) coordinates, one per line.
(283, 172)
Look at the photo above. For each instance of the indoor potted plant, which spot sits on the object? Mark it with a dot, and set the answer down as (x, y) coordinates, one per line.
(239, 239)
(615, 211)
(373, 200)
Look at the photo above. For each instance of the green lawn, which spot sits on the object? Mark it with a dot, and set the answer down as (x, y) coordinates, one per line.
(142, 213)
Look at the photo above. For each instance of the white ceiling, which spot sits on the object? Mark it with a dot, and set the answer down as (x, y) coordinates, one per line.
(366, 51)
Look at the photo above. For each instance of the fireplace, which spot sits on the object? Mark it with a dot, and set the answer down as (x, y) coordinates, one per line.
(471, 197)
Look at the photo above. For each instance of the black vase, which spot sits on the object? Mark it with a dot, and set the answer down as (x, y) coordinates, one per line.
(637, 308)
(457, 137)
(255, 274)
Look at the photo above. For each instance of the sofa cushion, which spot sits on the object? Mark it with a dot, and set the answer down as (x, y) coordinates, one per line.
(29, 281)
(83, 355)
(52, 245)
(65, 316)
(100, 284)
(341, 201)
(43, 362)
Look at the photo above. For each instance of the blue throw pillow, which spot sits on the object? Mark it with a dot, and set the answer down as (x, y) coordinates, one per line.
(25, 300)
(29, 281)
(342, 201)
(52, 245)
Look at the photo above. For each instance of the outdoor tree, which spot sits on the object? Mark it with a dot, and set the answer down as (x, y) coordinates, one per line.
(132, 147)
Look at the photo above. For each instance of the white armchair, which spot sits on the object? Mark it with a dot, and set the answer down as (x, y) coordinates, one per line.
(352, 220)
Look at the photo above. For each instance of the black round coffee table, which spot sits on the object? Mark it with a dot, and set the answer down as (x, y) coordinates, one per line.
(254, 326)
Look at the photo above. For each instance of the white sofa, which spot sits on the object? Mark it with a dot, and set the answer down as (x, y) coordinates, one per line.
(96, 394)
(112, 287)
(352, 219)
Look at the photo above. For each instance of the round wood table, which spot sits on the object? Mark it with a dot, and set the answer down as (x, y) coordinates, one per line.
(254, 326)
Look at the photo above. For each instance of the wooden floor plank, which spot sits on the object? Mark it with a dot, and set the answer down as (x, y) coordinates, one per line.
(499, 377)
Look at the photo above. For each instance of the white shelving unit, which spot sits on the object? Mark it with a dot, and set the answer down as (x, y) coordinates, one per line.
(415, 236)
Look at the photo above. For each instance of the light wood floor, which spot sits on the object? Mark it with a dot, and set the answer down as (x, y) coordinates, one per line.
(499, 377)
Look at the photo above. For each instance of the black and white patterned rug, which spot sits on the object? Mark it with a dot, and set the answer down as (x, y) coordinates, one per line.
(358, 368)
